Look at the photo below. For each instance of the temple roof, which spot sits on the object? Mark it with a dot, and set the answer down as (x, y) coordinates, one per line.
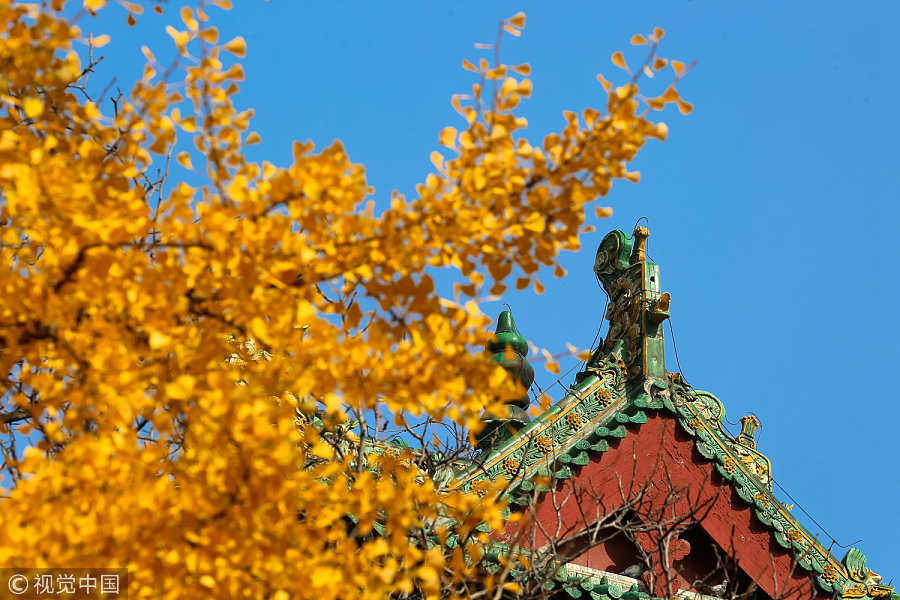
(625, 381)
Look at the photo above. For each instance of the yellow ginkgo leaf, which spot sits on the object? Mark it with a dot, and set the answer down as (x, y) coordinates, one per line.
(604, 82)
(184, 159)
(132, 7)
(210, 35)
(447, 137)
(187, 16)
(91, 111)
(99, 41)
(258, 328)
(662, 130)
(523, 69)
(323, 575)
(33, 107)
(525, 88)
(252, 138)
(437, 159)
(618, 59)
(511, 30)
(517, 20)
(638, 40)
(181, 38)
(182, 387)
(237, 46)
(159, 340)
(94, 4)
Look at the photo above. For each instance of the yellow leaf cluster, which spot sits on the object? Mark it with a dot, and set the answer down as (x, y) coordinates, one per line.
(131, 308)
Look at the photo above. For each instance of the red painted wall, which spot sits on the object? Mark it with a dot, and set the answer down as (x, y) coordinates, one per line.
(658, 465)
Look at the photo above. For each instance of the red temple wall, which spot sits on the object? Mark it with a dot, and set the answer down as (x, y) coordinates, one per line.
(652, 462)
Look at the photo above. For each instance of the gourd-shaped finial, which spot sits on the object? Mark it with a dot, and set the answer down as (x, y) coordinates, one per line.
(508, 348)
(507, 336)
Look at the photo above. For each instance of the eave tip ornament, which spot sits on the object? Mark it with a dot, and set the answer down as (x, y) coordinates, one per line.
(864, 582)
(637, 308)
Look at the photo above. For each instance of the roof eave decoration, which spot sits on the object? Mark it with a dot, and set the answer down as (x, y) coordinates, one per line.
(623, 380)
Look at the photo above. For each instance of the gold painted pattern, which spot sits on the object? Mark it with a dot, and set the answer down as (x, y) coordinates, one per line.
(525, 439)
(593, 421)
(543, 443)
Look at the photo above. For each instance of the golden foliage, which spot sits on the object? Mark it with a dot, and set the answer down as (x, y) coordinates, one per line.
(120, 303)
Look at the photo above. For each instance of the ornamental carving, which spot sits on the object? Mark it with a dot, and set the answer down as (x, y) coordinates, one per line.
(749, 425)
(511, 466)
(574, 420)
(543, 443)
(860, 590)
(865, 581)
(604, 397)
(880, 591)
(728, 464)
(636, 307)
(855, 591)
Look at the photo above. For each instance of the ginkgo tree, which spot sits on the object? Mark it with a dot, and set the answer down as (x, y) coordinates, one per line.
(191, 372)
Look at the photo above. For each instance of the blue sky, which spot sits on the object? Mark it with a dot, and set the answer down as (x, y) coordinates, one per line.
(773, 207)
